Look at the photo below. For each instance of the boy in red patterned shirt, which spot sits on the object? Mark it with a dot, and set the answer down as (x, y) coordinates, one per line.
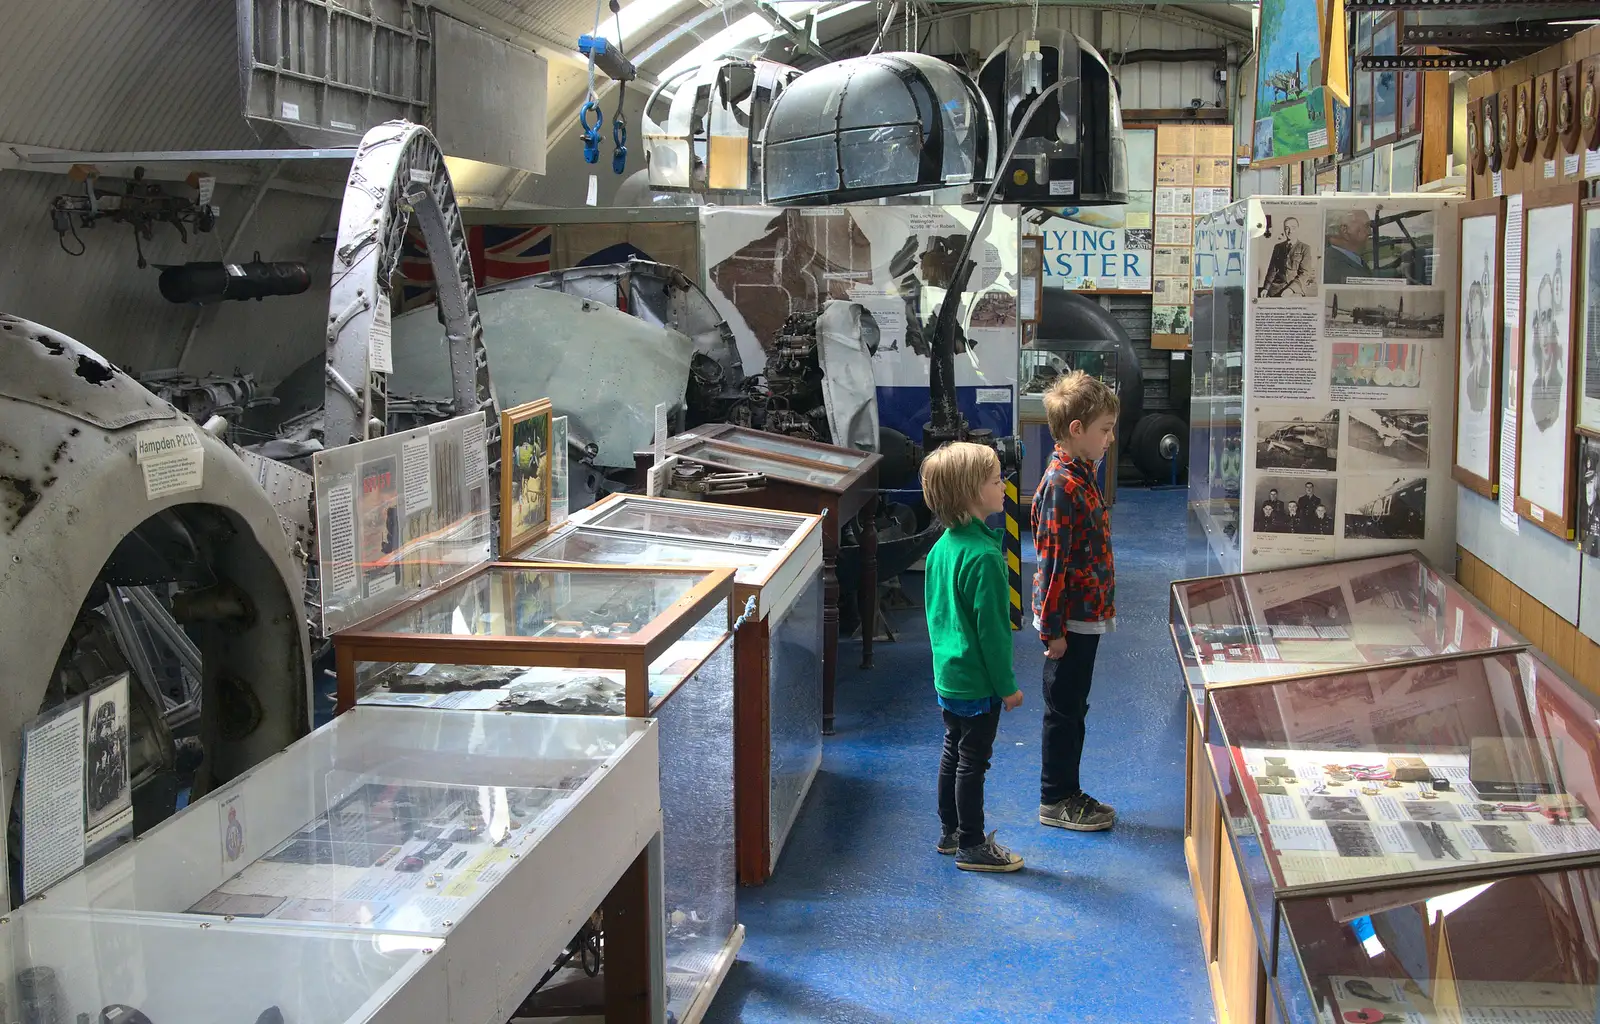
(1074, 590)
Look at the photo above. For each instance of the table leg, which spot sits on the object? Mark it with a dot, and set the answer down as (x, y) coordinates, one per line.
(867, 589)
(830, 629)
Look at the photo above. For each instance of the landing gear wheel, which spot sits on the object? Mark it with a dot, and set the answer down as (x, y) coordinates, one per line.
(1159, 441)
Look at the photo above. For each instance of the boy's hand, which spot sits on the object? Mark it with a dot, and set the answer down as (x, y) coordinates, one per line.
(1012, 702)
(1056, 649)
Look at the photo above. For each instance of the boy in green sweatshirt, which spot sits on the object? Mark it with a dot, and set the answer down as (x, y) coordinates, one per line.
(969, 628)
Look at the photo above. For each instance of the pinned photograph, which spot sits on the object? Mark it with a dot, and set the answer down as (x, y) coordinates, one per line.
(1354, 839)
(1297, 505)
(1502, 838)
(1388, 439)
(1398, 588)
(1378, 245)
(1306, 443)
(1377, 364)
(1430, 810)
(1334, 808)
(1291, 267)
(1325, 611)
(1383, 313)
(1434, 841)
(1386, 508)
(107, 766)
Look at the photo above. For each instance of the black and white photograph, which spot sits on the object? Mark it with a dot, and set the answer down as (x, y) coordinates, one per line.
(1434, 841)
(1288, 438)
(1381, 243)
(1295, 504)
(1386, 507)
(1492, 812)
(1501, 838)
(1545, 420)
(1475, 345)
(1393, 439)
(1398, 587)
(1589, 496)
(1334, 808)
(1319, 611)
(1406, 313)
(1354, 839)
(1291, 265)
(1430, 810)
(107, 765)
(1589, 325)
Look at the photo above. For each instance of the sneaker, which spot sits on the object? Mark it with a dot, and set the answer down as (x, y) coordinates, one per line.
(1081, 813)
(988, 856)
(948, 844)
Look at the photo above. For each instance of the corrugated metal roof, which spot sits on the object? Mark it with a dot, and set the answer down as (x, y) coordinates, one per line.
(145, 74)
(556, 20)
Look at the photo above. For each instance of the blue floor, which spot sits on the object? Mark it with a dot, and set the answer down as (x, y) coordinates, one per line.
(863, 923)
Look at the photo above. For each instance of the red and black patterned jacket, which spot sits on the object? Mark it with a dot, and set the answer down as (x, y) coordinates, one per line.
(1074, 586)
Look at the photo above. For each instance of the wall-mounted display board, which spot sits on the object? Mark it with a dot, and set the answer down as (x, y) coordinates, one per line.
(1477, 336)
(1545, 443)
(1194, 179)
(1345, 376)
(1533, 129)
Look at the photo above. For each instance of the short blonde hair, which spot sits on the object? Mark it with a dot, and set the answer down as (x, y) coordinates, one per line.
(1077, 396)
(953, 479)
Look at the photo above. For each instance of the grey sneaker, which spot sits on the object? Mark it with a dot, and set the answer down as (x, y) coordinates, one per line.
(988, 856)
(1081, 813)
(948, 844)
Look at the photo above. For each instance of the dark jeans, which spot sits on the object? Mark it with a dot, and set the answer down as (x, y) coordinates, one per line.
(968, 744)
(1066, 705)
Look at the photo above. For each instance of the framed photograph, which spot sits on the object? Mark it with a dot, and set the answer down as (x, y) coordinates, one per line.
(524, 475)
(1545, 442)
(1589, 320)
(1589, 497)
(1477, 332)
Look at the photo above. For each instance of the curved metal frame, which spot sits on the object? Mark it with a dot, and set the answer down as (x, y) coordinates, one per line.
(399, 173)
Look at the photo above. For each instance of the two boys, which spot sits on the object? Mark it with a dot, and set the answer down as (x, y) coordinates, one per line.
(967, 600)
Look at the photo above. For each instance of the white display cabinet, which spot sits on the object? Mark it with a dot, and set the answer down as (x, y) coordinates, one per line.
(1323, 382)
(419, 865)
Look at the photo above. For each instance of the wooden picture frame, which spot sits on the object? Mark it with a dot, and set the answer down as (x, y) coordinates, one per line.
(1587, 316)
(525, 426)
(1566, 103)
(1527, 139)
(1479, 311)
(1545, 387)
(1489, 131)
(1544, 115)
(1504, 130)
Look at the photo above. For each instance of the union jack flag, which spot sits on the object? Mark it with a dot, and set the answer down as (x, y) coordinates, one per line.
(499, 252)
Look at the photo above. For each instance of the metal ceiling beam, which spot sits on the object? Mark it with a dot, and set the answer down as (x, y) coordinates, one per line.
(63, 157)
(1160, 12)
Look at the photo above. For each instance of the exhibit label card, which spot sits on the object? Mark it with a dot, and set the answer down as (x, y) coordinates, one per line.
(52, 799)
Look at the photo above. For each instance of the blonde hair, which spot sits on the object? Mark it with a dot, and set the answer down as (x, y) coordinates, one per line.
(1077, 396)
(953, 479)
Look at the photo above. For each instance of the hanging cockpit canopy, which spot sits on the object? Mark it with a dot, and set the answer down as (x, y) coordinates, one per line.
(889, 124)
(711, 141)
(1072, 152)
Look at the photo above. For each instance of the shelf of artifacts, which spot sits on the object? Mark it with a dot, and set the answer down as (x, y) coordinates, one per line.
(430, 864)
(777, 592)
(839, 484)
(1361, 727)
(592, 641)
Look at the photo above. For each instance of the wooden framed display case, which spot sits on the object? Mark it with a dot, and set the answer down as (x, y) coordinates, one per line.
(777, 596)
(817, 479)
(395, 866)
(593, 640)
(1288, 672)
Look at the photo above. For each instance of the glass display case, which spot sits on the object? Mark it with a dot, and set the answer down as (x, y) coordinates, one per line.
(602, 641)
(777, 650)
(437, 858)
(1216, 383)
(1371, 752)
(839, 484)
(1231, 630)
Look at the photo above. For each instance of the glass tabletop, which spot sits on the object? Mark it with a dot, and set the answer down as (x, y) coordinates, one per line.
(711, 523)
(1457, 767)
(1234, 629)
(515, 601)
(605, 547)
(778, 469)
(763, 441)
(1524, 948)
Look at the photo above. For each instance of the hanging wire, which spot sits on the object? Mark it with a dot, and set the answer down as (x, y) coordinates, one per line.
(1034, 32)
(591, 104)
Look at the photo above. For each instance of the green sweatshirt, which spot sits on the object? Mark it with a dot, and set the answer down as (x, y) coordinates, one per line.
(968, 605)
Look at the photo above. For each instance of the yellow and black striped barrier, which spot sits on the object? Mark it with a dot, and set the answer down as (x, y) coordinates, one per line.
(1013, 543)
